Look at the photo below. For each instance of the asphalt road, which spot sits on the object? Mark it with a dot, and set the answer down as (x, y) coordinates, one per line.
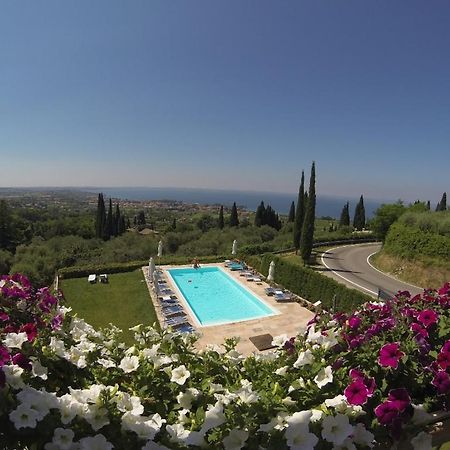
(349, 265)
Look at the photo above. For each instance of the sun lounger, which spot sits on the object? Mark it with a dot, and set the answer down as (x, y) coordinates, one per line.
(167, 298)
(234, 267)
(270, 290)
(255, 279)
(165, 292)
(185, 328)
(246, 273)
(92, 278)
(174, 314)
(283, 297)
(171, 308)
(174, 321)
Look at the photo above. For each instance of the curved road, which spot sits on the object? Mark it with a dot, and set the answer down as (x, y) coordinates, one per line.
(349, 265)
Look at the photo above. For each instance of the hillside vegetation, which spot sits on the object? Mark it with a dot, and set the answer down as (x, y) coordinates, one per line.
(417, 248)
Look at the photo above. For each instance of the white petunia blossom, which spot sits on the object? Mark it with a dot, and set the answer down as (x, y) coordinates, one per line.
(177, 432)
(107, 363)
(316, 415)
(151, 445)
(144, 427)
(57, 347)
(304, 358)
(235, 440)
(37, 369)
(299, 438)
(324, 377)
(180, 375)
(339, 403)
(277, 423)
(336, 429)
(346, 445)
(24, 417)
(69, 407)
(214, 417)
(129, 363)
(422, 441)
(279, 341)
(282, 370)
(13, 375)
(63, 438)
(126, 402)
(363, 437)
(98, 442)
(15, 340)
(185, 398)
(246, 394)
(96, 416)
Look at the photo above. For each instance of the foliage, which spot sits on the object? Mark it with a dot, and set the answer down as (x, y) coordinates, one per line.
(307, 283)
(221, 222)
(384, 217)
(234, 218)
(291, 216)
(359, 220)
(344, 220)
(368, 377)
(442, 204)
(267, 216)
(299, 212)
(307, 235)
(6, 259)
(8, 236)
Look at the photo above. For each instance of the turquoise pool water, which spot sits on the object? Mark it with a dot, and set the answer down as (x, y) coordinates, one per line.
(215, 298)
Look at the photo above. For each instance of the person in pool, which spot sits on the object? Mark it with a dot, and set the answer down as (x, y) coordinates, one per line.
(196, 265)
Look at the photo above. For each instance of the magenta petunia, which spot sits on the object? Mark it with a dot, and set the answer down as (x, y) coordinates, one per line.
(386, 412)
(4, 355)
(443, 359)
(419, 330)
(30, 329)
(354, 322)
(428, 317)
(22, 361)
(3, 316)
(442, 382)
(400, 397)
(390, 355)
(356, 393)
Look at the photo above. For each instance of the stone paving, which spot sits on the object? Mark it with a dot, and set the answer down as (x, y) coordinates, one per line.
(291, 319)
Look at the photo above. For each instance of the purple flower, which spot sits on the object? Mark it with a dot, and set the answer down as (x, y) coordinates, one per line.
(443, 359)
(3, 316)
(57, 322)
(369, 383)
(22, 361)
(390, 355)
(356, 393)
(354, 322)
(386, 412)
(419, 330)
(428, 317)
(400, 397)
(442, 382)
(4, 355)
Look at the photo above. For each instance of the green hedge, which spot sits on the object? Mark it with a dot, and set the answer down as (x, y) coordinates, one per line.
(83, 271)
(411, 242)
(309, 284)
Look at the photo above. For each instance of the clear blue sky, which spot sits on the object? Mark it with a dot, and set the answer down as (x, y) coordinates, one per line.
(227, 94)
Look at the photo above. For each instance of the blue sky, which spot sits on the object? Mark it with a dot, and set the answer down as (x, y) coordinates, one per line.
(227, 94)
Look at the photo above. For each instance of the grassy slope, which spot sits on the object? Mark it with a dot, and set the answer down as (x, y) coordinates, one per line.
(124, 301)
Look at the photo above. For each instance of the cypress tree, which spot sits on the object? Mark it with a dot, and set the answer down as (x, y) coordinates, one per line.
(307, 234)
(234, 219)
(428, 205)
(122, 226)
(100, 218)
(359, 220)
(116, 221)
(109, 223)
(344, 221)
(8, 236)
(260, 216)
(221, 220)
(299, 213)
(291, 216)
(442, 205)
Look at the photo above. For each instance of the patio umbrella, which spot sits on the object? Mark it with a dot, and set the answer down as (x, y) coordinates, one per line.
(234, 248)
(271, 275)
(155, 282)
(151, 268)
(160, 249)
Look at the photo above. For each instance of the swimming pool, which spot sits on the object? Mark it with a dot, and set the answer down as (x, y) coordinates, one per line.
(216, 298)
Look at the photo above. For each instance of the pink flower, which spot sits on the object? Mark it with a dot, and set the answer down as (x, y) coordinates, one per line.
(356, 392)
(390, 355)
(4, 355)
(442, 382)
(354, 322)
(419, 330)
(3, 316)
(386, 412)
(369, 383)
(443, 359)
(30, 329)
(428, 317)
(400, 397)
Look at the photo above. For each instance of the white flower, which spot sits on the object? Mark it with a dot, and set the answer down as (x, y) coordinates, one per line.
(282, 370)
(180, 375)
(37, 369)
(97, 442)
(279, 341)
(299, 418)
(69, 407)
(329, 339)
(129, 363)
(185, 398)
(177, 432)
(214, 417)
(151, 352)
(107, 363)
(304, 358)
(144, 427)
(57, 347)
(96, 416)
(24, 417)
(299, 438)
(13, 375)
(422, 441)
(126, 402)
(38, 401)
(420, 414)
(314, 337)
(336, 429)
(339, 403)
(362, 437)
(234, 356)
(324, 377)
(346, 445)
(316, 415)
(235, 440)
(288, 401)
(277, 423)
(246, 394)
(151, 445)
(76, 357)
(15, 340)
(62, 438)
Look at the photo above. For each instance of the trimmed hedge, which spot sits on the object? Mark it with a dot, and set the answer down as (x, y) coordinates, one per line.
(84, 271)
(309, 284)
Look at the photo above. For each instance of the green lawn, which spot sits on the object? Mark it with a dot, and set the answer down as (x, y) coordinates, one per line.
(124, 301)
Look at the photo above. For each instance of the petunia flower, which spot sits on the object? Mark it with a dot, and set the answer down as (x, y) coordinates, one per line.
(386, 412)
(442, 382)
(428, 317)
(390, 355)
(356, 393)
(400, 397)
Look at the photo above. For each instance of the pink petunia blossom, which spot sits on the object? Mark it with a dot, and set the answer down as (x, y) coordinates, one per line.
(428, 317)
(386, 412)
(356, 393)
(400, 397)
(442, 382)
(390, 355)
(419, 330)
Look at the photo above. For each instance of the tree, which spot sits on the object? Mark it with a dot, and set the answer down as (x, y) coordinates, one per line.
(307, 234)
(442, 205)
(299, 213)
(428, 205)
(8, 235)
(260, 215)
(385, 216)
(109, 223)
(234, 218)
(291, 216)
(100, 219)
(221, 222)
(359, 220)
(116, 221)
(344, 221)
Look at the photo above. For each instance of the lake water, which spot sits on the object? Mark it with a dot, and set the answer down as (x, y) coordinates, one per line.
(325, 205)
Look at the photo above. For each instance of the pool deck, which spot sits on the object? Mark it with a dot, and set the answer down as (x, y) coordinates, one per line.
(291, 319)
